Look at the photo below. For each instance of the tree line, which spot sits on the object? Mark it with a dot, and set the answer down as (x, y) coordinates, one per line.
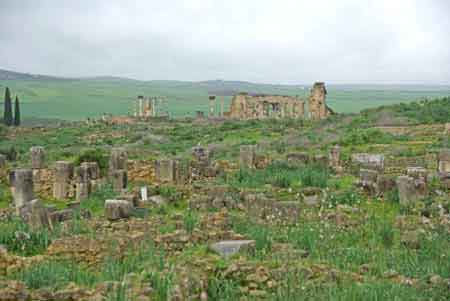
(10, 119)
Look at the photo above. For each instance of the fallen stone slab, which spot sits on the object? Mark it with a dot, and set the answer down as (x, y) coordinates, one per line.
(228, 248)
(35, 214)
(117, 209)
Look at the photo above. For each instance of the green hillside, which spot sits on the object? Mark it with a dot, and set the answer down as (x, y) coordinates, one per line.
(75, 99)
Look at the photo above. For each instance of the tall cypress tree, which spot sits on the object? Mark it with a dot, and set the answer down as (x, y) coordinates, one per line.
(8, 115)
(17, 112)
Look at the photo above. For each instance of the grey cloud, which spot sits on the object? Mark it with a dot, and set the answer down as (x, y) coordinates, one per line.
(288, 41)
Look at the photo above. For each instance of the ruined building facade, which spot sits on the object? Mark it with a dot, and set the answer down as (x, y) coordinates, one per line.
(145, 107)
(244, 106)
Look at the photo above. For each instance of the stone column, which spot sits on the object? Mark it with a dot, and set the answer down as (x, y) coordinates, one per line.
(82, 182)
(22, 187)
(154, 108)
(165, 170)
(119, 180)
(444, 162)
(212, 105)
(37, 157)
(335, 155)
(140, 105)
(63, 178)
(247, 155)
(201, 161)
(118, 159)
(410, 190)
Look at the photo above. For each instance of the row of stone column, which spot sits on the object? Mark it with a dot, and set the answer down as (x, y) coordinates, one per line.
(67, 179)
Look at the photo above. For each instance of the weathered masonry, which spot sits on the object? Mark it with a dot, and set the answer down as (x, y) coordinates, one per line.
(147, 107)
(244, 106)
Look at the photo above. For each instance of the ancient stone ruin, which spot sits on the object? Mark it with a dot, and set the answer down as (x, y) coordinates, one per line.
(318, 108)
(145, 107)
(63, 179)
(118, 166)
(37, 157)
(245, 106)
(247, 156)
(21, 181)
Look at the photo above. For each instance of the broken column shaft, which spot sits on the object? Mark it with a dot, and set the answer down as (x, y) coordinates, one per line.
(63, 177)
(37, 157)
(22, 187)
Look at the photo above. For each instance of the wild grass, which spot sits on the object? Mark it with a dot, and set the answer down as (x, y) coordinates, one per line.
(96, 200)
(20, 239)
(55, 274)
(190, 221)
(280, 174)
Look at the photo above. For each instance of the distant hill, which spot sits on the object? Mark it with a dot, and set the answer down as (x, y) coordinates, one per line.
(217, 87)
(12, 75)
(50, 97)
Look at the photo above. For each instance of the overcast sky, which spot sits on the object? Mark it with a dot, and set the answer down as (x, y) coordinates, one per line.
(271, 41)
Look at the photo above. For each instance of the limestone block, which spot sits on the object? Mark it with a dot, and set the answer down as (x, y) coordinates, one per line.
(286, 213)
(119, 180)
(417, 172)
(369, 161)
(228, 248)
(335, 156)
(63, 177)
(297, 159)
(34, 214)
(368, 180)
(118, 159)
(410, 190)
(444, 161)
(117, 209)
(82, 191)
(22, 186)
(37, 157)
(165, 170)
(247, 156)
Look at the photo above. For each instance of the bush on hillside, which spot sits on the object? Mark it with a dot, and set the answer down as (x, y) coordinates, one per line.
(426, 111)
(93, 155)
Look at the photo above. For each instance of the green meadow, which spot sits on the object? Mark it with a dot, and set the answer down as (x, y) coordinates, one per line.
(77, 99)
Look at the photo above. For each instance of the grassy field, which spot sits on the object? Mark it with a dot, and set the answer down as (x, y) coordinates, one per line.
(76, 99)
(349, 245)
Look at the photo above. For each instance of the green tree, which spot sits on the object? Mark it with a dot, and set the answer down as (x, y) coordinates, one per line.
(17, 112)
(8, 116)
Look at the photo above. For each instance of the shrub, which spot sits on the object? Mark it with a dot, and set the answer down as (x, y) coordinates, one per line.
(93, 155)
(426, 111)
(358, 136)
(10, 153)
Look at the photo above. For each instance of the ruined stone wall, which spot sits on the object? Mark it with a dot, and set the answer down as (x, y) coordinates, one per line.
(244, 106)
(318, 108)
(141, 171)
(266, 106)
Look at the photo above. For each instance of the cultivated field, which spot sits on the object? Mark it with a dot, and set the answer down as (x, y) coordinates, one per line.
(79, 99)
